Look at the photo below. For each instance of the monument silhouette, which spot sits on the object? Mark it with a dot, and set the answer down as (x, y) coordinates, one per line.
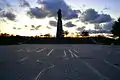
(59, 33)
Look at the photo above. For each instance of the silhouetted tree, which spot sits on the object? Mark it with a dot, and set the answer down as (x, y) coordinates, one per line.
(77, 34)
(47, 35)
(85, 33)
(66, 32)
(116, 28)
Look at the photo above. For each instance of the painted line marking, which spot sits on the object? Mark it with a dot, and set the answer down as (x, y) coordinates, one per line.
(96, 71)
(111, 64)
(75, 54)
(40, 50)
(50, 52)
(42, 71)
(71, 53)
(76, 51)
(65, 54)
(23, 59)
(20, 50)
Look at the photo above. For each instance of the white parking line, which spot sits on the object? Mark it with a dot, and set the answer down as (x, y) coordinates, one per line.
(75, 51)
(23, 59)
(111, 64)
(96, 71)
(41, 50)
(71, 53)
(75, 54)
(43, 70)
(50, 52)
(65, 54)
(20, 50)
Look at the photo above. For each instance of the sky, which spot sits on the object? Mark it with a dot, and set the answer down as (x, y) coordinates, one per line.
(36, 17)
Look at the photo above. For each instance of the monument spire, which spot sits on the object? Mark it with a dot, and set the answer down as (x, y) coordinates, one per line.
(59, 33)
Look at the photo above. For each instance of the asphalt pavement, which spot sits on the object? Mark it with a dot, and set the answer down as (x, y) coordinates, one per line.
(60, 62)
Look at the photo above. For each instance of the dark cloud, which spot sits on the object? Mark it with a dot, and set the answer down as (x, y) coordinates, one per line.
(0, 9)
(35, 27)
(37, 13)
(89, 14)
(1, 12)
(69, 24)
(19, 28)
(26, 26)
(98, 27)
(9, 15)
(81, 28)
(53, 23)
(98, 31)
(51, 7)
(102, 19)
(14, 27)
(24, 3)
(48, 27)
(72, 14)
(108, 25)
(106, 8)
(92, 16)
(32, 29)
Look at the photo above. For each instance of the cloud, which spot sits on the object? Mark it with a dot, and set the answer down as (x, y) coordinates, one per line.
(92, 16)
(48, 27)
(81, 28)
(108, 25)
(72, 14)
(14, 27)
(32, 29)
(0, 9)
(89, 14)
(53, 23)
(35, 27)
(37, 13)
(24, 3)
(9, 15)
(106, 8)
(5, 3)
(49, 8)
(98, 31)
(69, 24)
(98, 27)
(102, 18)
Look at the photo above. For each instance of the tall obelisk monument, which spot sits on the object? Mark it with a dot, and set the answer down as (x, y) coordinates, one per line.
(59, 33)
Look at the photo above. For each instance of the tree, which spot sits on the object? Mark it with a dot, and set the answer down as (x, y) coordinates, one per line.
(85, 33)
(47, 35)
(116, 28)
(66, 33)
